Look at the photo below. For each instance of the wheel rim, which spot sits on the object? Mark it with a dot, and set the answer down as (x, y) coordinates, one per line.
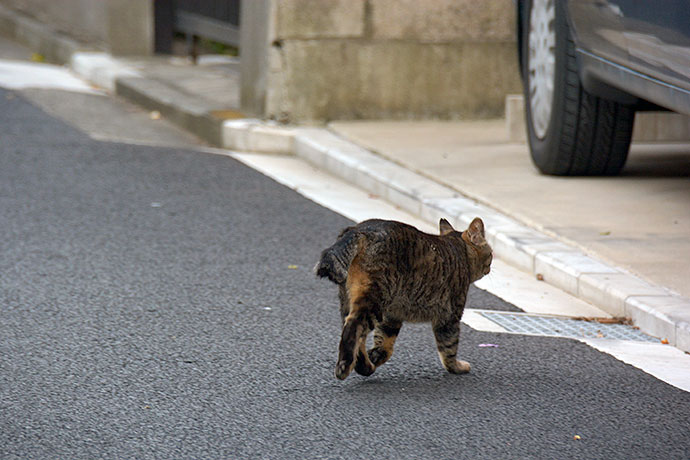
(541, 64)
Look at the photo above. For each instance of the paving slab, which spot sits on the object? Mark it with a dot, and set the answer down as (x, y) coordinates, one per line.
(213, 81)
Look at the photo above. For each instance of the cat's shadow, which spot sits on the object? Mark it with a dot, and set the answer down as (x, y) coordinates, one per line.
(421, 380)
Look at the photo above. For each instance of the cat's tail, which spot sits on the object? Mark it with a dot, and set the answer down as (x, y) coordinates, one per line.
(335, 261)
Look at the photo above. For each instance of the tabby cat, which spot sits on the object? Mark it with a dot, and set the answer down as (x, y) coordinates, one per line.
(389, 272)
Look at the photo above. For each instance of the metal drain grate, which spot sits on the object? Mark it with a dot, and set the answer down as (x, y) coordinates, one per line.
(564, 327)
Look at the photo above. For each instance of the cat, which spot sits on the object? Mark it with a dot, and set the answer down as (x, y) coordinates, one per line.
(389, 272)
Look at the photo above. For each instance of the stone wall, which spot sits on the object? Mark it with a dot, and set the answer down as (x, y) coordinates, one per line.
(319, 60)
(123, 27)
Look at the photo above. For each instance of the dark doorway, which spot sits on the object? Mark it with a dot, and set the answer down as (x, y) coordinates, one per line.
(215, 20)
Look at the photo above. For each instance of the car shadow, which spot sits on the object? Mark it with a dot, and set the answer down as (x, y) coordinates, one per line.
(658, 160)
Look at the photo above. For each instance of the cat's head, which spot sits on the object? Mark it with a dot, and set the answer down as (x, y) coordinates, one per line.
(478, 250)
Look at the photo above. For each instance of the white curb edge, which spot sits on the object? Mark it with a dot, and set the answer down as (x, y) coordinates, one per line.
(101, 69)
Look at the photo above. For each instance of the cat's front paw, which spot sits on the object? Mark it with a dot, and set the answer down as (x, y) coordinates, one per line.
(459, 367)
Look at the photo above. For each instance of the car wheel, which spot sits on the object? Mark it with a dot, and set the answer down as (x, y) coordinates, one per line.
(570, 131)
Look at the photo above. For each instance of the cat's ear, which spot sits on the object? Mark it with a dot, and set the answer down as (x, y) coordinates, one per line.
(475, 232)
(445, 227)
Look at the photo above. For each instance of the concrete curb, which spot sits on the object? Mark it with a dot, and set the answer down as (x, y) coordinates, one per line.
(103, 70)
(177, 107)
(99, 68)
(654, 309)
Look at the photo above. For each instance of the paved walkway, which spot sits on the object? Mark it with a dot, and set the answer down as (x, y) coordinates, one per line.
(214, 80)
(639, 221)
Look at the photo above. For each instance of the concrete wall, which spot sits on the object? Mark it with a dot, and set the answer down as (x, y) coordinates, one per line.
(130, 27)
(123, 27)
(255, 46)
(320, 60)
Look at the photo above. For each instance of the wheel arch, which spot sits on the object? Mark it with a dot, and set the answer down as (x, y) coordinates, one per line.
(589, 76)
(587, 134)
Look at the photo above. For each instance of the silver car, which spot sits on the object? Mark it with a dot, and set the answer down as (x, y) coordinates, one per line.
(588, 65)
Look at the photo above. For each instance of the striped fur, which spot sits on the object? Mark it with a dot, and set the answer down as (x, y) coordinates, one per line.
(389, 272)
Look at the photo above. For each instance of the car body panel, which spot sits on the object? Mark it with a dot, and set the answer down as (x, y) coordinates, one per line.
(632, 51)
(658, 38)
(597, 27)
(616, 82)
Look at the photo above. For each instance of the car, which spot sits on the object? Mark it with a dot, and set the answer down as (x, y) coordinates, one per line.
(587, 66)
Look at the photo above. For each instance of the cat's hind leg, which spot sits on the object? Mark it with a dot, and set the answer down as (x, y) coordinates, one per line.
(385, 334)
(447, 338)
(352, 352)
(363, 364)
(358, 322)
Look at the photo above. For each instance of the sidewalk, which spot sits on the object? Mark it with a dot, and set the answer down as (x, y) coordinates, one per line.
(622, 244)
(198, 97)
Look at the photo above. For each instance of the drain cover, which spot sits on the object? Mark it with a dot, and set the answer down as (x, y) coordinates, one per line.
(519, 323)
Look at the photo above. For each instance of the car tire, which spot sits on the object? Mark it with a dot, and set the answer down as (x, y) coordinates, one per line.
(570, 132)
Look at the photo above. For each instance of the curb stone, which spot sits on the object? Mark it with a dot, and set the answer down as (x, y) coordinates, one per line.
(177, 107)
(105, 71)
(101, 69)
(251, 135)
(655, 310)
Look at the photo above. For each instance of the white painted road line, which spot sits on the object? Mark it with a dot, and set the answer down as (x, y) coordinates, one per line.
(664, 362)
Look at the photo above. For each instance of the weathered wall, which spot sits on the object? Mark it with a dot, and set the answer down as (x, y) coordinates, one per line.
(122, 27)
(130, 27)
(350, 59)
(255, 45)
(81, 19)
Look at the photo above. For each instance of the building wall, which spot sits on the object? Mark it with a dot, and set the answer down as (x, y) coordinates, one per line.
(349, 59)
(81, 19)
(255, 46)
(120, 26)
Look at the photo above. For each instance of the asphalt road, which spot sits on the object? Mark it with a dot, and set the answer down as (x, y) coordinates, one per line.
(150, 308)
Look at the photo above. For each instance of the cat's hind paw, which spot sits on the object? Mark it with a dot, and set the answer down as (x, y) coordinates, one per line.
(342, 369)
(378, 356)
(363, 366)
